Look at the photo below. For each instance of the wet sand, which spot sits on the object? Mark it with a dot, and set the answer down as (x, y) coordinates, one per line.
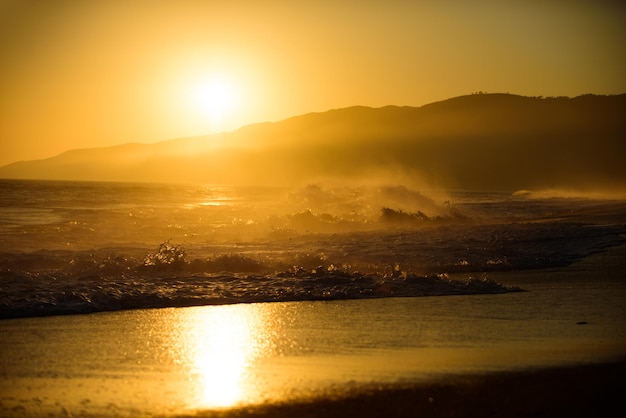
(582, 391)
(585, 390)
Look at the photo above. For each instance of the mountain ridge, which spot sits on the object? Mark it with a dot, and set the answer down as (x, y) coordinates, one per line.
(496, 141)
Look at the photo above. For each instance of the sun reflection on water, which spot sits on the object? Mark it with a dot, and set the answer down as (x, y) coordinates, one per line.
(218, 347)
(221, 357)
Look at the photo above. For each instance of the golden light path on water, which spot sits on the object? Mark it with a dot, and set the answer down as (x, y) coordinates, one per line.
(244, 354)
(223, 347)
(218, 348)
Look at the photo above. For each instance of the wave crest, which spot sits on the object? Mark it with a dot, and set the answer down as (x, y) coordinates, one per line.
(296, 284)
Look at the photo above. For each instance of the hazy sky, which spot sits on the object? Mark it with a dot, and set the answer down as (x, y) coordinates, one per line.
(86, 73)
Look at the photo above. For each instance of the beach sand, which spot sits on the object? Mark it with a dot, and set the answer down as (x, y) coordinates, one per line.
(582, 391)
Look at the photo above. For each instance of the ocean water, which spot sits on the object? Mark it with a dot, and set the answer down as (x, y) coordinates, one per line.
(213, 359)
(513, 281)
(79, 247)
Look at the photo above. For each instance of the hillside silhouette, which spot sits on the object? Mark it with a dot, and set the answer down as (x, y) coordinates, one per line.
(480, 141)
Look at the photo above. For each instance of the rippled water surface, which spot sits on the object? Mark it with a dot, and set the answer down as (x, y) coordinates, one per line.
(178, 360)
(72, 247)
(336, 263)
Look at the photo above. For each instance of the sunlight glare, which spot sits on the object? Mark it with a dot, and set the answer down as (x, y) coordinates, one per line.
(223, 347)
(215, 98)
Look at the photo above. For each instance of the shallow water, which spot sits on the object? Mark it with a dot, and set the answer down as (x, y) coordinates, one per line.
(177, 360)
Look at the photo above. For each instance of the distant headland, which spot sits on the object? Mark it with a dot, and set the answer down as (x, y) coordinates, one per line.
(478, 141)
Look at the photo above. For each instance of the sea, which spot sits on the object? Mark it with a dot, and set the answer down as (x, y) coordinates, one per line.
(78, 247)
(141, 299)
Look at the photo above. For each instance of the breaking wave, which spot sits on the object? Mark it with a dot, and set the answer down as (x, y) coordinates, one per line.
(40, 296)
(83, 247)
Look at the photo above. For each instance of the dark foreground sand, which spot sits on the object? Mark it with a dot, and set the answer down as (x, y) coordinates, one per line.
(584, 391)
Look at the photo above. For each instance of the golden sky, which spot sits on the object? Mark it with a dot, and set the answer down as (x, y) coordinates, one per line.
(88, 73)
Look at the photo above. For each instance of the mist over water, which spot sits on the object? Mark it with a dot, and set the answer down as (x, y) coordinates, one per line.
(476, 142)
(79, 216)
(71, 247)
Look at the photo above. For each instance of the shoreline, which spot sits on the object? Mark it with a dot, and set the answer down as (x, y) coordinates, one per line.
(515, 363)
(184, 292)
(572, 391)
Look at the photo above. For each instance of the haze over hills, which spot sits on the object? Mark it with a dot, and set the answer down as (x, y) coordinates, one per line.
(480, 141)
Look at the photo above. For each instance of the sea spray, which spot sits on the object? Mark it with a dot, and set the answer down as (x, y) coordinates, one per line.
(72, 247)
(40, 296)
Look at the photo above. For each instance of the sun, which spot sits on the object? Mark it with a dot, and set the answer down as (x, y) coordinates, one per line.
(214, 98)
